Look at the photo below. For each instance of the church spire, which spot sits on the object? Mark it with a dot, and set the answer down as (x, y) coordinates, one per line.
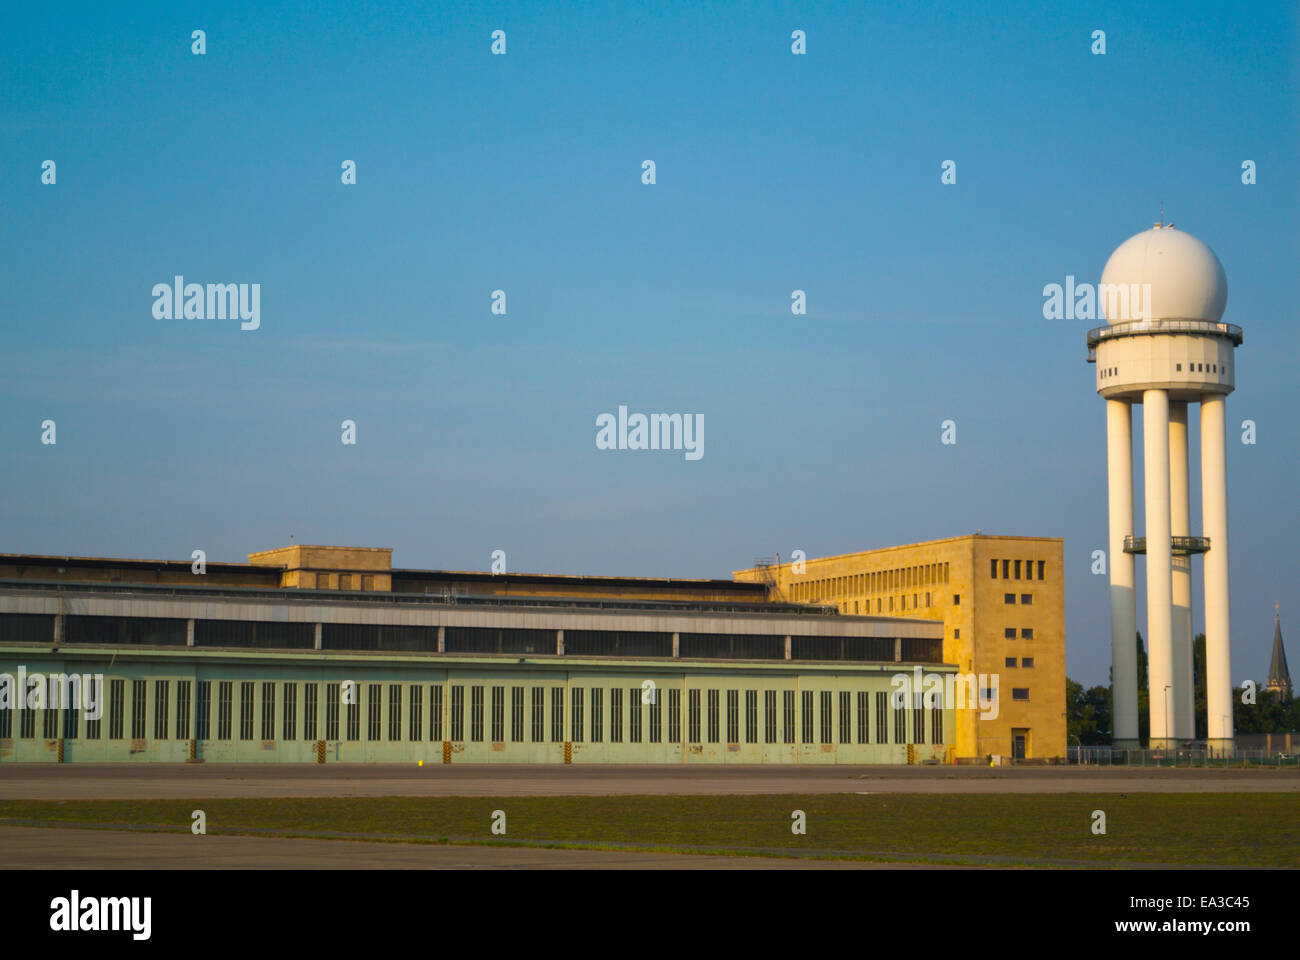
(1279, 677)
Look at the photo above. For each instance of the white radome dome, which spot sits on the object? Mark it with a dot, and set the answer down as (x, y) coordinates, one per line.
(1187, 280)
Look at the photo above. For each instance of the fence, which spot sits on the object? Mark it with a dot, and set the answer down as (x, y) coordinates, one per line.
(1185, 757)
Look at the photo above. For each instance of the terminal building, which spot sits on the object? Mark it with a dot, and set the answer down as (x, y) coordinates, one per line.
(329, 654)
(1001, 601)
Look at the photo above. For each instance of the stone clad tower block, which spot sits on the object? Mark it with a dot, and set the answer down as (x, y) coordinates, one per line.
(1165, 346)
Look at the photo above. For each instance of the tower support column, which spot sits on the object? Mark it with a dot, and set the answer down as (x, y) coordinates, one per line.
(1123, 598)
(1214, 524)
(1161, 694)
(1183, 694)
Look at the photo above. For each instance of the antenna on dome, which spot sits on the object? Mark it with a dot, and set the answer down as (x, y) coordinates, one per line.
(1161, 222)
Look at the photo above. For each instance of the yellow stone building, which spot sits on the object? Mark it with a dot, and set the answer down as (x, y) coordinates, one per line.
(1002, 603)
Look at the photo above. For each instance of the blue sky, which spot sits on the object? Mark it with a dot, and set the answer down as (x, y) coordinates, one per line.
(774, 172)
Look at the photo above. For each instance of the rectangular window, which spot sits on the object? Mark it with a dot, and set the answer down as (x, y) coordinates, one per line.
(1008, 598)
(846, 717)
(353, 697)
(827, 721)
(1017, 569)
(656, 717)
(1041, 565)
(247, 706)
(693, 724)
(1009, 633)
(751, 716)
(268, 711)
(1009, 662)
(882, 717)
(374, 711)
(1027, 633)
(1027, 662)
(993, 569)
(539, 714)
(476, 713)
(787, 715)
(161, 694)
(557, 714)
(290, 711)
(1006, 569)
(715, 704)
(498, 714)
(733, 716)
(918, 724)
(27, 717)
(956, 599)
(435, 712)
(50, 715)
(71, 717)
(457, 712)
(769, 716)
(936, 725)
(864, 729)
(575, 721)
(225, 708)
(416, 723)
(674, 716)
(139, 693)
(331, 711)
(807, 716)
(1029, 569)
(311, 693)
(1019, 693)
(1026, 598)
(900, 723)
(616, 715)
(117, 695)
(92, 723)
(394, 712)
(597, 714)
(634, 715)
(517, 714)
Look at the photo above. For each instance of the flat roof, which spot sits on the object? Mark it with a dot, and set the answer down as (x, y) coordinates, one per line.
(483, 576)
(910, 546)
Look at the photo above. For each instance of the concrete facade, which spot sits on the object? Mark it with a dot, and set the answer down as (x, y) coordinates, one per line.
(955, 581)
(213, 673)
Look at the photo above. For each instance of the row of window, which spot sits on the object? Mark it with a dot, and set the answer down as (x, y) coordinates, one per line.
(279, 635)
(1025, 598)
(1025, 662)
(589, 718)
(902, 603)
(337, 581)
(1011, 569)
(1026, 633)
(878, 581)
(1108, 372)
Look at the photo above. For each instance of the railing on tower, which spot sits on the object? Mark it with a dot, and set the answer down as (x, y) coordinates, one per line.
(1135, 328)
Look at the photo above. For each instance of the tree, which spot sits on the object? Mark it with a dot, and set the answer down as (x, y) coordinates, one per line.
(1088, 716)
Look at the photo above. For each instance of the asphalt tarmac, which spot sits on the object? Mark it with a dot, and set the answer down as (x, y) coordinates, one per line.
(198, 781)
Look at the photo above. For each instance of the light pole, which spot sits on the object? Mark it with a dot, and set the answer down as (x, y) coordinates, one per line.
(1168, 727)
